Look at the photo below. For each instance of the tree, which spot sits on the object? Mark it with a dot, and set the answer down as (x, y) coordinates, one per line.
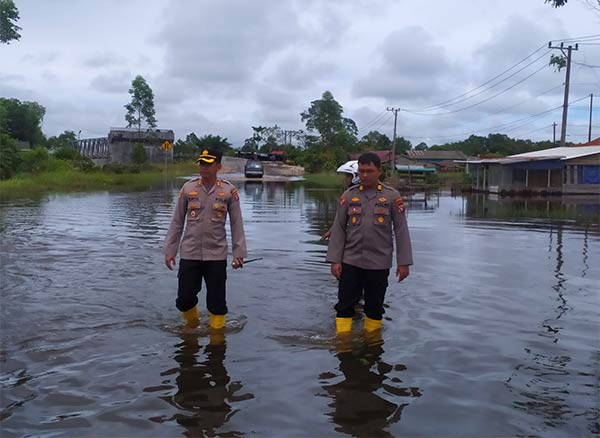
(22, 120)
(375, 141)
(9, 156)
(325, 116)
(215, 141)
(141, 107)
(9, 14)
(559, 61)
(421, 146)
(193, 145)
(66, 139)
(594, 4)
(402, 145)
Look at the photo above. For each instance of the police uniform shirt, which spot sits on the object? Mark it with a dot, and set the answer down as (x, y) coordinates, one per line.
(361, 235)
(203, 212)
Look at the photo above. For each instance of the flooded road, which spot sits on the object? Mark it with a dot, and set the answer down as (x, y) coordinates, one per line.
(495, 332)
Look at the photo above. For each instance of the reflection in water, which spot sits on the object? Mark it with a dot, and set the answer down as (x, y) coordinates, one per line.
(204, 389)
(579, 209)
(367, 401)
(543, 384)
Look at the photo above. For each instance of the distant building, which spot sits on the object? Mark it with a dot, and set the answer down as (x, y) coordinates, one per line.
(434, 157)
(384, 156)
(567, 170)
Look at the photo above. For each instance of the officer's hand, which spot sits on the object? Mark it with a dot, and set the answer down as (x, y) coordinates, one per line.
(170, 262)
(237, 263)
(326, 236)
(336, 270)
(402, 272)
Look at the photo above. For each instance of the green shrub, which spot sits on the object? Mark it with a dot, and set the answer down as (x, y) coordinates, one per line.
(56, 165)
(34, 160)
(432, 178)
(67, 153)
(138, 155)
(84, 163)
(10, 158)
(119, 168)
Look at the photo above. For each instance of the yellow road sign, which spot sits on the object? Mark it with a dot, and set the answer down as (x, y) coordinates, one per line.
(166, 146)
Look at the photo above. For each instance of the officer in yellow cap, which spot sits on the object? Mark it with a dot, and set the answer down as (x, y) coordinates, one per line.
(197, 230)
(370, 217)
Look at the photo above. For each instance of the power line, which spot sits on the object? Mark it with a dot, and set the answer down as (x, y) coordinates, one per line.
(441, 104)
(504, 126)
(482, 101)
(583, 38)
(374, 120)
(586, 65)
(384, 122)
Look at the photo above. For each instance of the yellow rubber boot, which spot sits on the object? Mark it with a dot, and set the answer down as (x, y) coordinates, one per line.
(372, 325)
(191, 317)
(217, 321)
(343, 325)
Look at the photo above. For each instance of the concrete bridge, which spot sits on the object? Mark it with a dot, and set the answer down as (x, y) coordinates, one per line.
(118, 145)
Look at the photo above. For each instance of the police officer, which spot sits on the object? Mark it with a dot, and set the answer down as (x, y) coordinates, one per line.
(361, 245)
(203, 206)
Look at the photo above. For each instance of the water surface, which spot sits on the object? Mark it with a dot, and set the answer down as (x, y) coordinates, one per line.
(495, 332)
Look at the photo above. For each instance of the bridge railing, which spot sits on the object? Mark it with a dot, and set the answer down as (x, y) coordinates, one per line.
(94, 147)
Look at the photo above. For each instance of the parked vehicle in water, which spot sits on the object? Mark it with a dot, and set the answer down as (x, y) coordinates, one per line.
(254, 169)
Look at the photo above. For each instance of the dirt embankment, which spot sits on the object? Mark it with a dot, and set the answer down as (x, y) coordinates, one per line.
(236, 165)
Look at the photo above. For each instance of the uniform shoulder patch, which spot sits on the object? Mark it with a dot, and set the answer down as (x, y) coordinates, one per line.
(399, 204)
(234, 194)
(342, 200)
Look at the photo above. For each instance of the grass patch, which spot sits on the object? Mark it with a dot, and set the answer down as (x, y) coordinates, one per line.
(68, 180)
(330, 180)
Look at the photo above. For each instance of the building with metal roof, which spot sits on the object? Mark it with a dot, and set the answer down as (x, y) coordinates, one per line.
(561, 170)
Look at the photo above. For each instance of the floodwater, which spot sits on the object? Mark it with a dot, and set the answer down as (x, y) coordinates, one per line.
(495, 332)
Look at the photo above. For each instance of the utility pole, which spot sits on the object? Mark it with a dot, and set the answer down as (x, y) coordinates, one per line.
(554, 133)
(590, 127)
(395, 111)
(563, 128)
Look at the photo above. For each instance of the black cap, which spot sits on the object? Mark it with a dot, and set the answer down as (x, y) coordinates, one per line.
(209, 156)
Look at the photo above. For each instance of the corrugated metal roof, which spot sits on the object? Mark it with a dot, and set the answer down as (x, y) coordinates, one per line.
(564, 153)
(415, 168)
(435, 155)
(595, 142)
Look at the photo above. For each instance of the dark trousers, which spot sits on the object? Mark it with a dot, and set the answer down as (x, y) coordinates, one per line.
(353, 281)
(190, 275)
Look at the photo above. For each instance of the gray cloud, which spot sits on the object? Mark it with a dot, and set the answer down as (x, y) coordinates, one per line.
(103, 60)
(224, 43)
(412, 66)
(115, 82)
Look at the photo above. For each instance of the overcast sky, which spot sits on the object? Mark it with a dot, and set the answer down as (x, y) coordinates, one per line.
(222, 66)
